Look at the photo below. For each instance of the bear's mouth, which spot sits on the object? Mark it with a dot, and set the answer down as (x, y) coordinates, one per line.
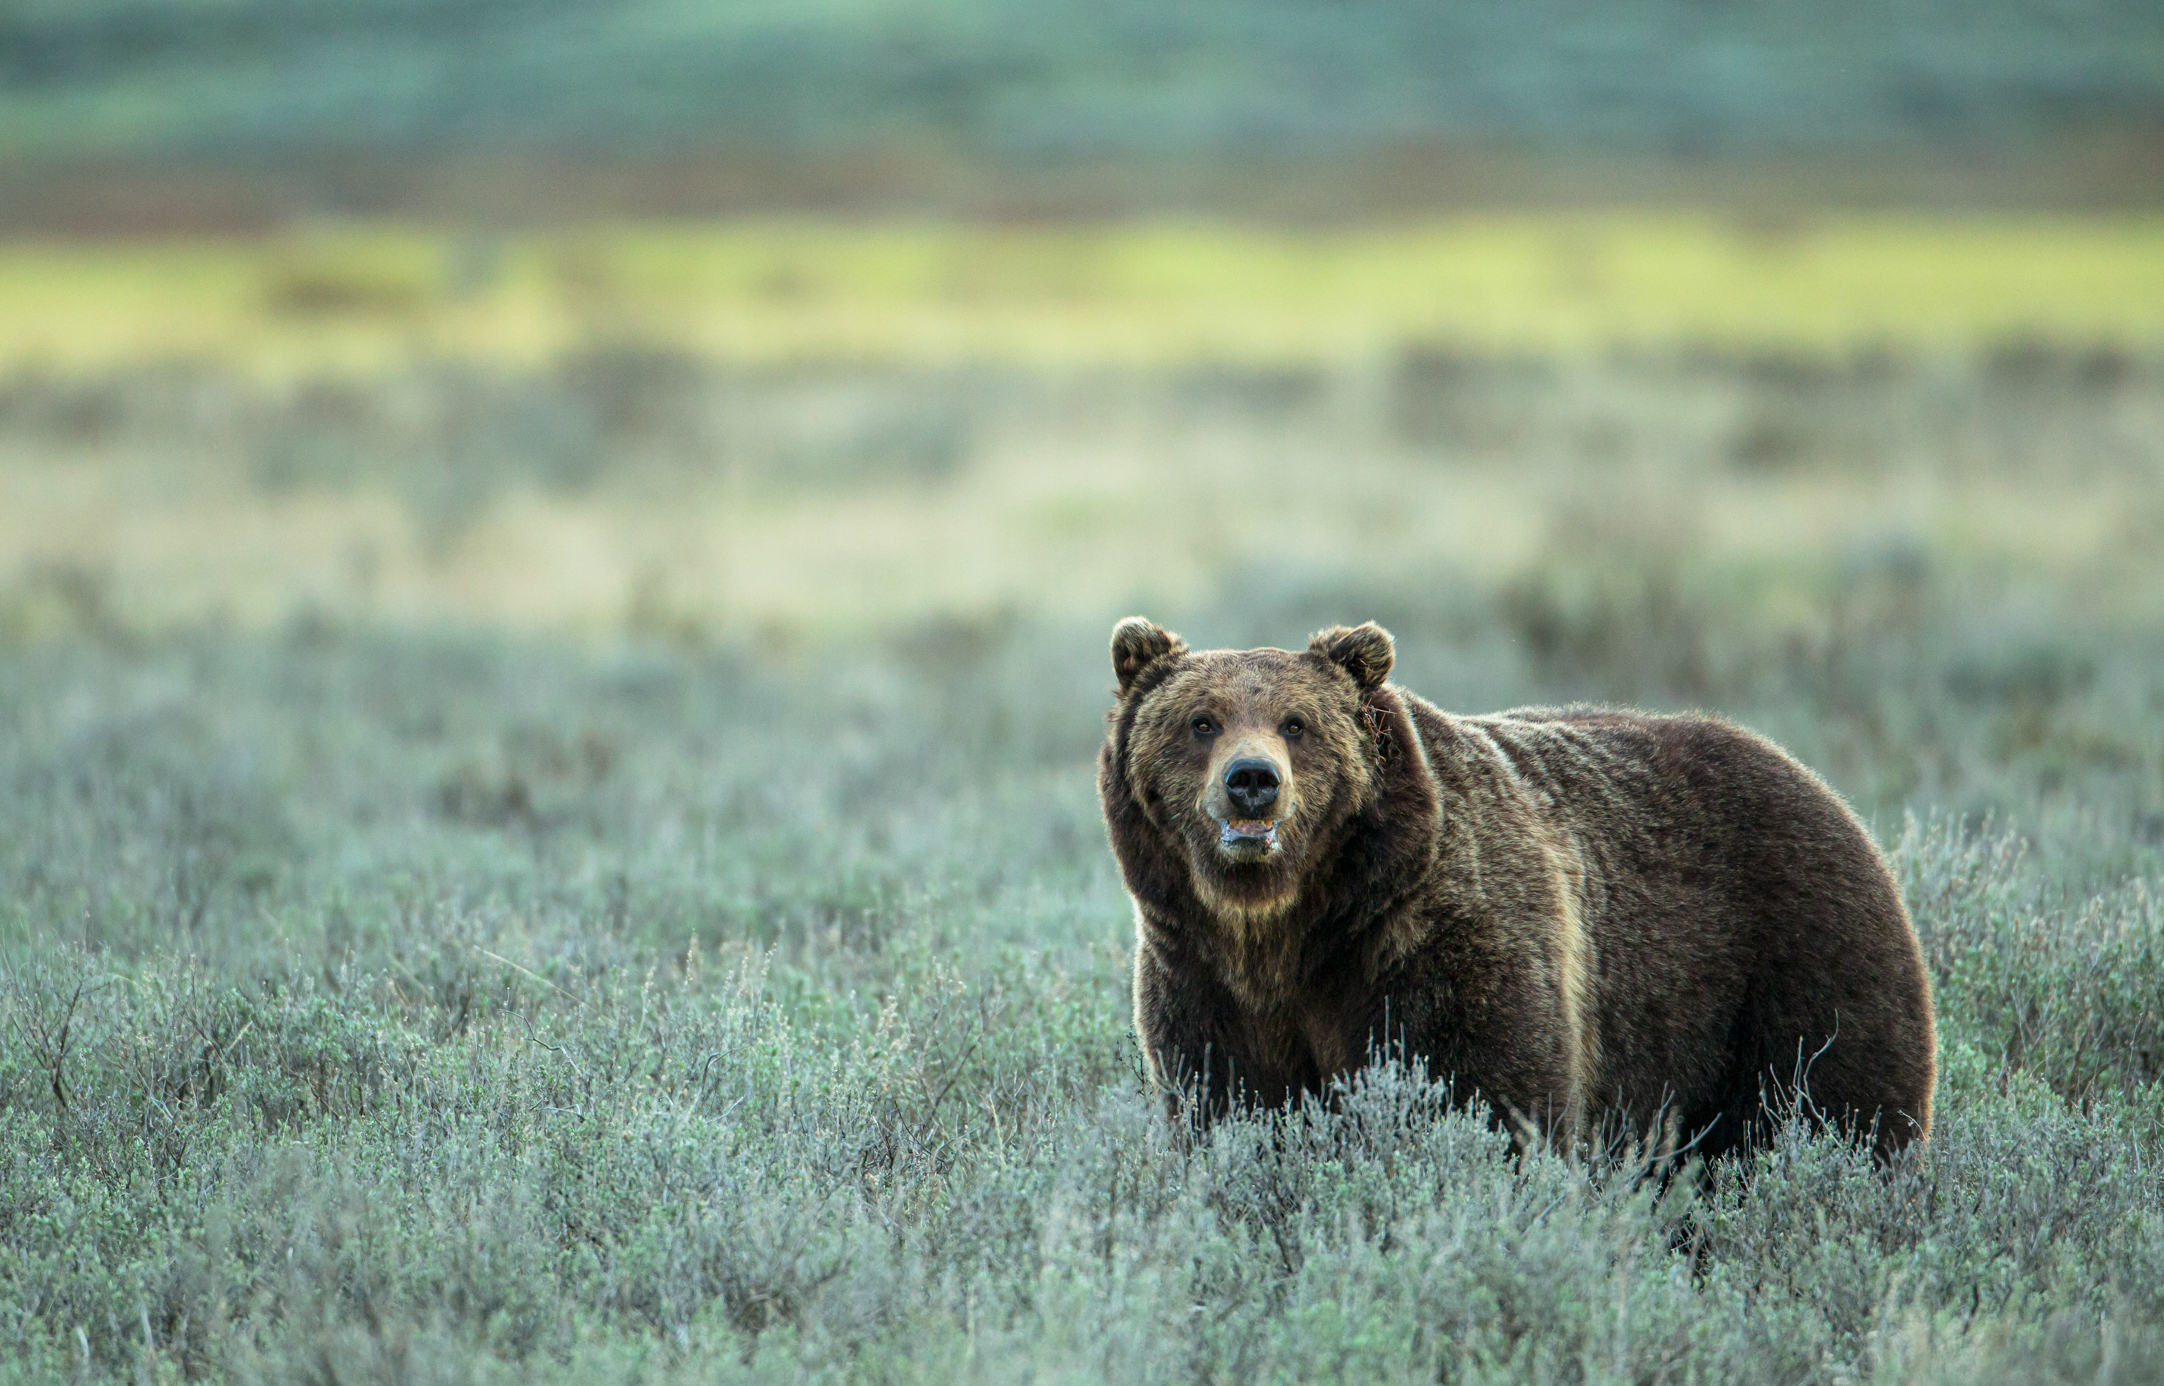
(1246, 837)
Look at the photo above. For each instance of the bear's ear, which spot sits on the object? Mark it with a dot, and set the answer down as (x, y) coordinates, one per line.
(1364, 651)
(1139, 642)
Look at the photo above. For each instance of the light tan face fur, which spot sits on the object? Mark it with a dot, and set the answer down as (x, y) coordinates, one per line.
(1291, 716)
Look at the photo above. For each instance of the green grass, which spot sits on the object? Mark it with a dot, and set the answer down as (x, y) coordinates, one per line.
(707, 996)
(361, 298)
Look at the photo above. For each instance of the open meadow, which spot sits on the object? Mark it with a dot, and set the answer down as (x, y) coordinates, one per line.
(548, 825)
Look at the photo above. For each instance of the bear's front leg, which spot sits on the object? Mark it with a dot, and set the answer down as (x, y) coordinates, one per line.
(1185, 1023)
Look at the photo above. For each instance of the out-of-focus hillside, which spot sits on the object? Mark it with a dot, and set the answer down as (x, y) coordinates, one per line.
(225, 77)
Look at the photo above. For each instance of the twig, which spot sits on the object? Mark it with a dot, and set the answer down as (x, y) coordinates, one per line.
(528, 972)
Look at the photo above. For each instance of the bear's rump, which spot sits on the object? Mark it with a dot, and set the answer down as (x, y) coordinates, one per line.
(1750, 934)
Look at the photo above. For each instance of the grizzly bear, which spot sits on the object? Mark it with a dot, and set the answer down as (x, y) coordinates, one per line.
(1655, 927)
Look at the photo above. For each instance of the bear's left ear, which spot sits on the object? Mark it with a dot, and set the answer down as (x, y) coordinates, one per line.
(1364, 651)
(1137, 643)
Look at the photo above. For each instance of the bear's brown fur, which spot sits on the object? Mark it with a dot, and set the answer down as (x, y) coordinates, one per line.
(1595, 920)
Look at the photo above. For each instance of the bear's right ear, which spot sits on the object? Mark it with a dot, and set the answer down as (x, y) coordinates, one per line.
(1139, 642)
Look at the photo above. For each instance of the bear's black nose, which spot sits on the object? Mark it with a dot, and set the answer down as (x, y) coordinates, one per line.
(1251, 784)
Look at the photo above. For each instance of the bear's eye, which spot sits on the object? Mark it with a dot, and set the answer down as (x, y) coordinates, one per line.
(1204, 724)
(1293, 727)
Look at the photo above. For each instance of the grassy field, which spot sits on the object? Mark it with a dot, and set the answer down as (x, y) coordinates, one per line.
(576, 859)
(357, 298)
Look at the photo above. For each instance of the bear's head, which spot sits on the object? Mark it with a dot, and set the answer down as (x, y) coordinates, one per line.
(1243, 767)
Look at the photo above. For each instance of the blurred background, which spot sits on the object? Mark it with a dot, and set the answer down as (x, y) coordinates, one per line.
(1803, 362)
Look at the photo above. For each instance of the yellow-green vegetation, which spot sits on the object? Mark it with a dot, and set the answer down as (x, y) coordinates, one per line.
(357, 297)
